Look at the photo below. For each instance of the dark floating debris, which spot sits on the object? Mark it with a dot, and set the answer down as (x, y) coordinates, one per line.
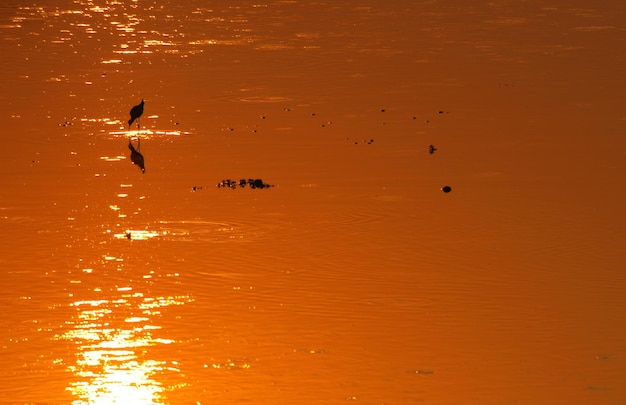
(363, 141)
(446, 189)
(431, 149)
(252, 183)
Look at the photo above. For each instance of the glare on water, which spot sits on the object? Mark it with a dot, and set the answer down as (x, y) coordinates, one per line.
(110, 366)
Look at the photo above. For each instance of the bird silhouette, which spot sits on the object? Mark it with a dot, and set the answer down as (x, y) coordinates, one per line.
(135, 113)
(135, 156)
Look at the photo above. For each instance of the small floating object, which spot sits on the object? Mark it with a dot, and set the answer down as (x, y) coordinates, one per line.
(258, 183)
(446, 189)
(431, 149)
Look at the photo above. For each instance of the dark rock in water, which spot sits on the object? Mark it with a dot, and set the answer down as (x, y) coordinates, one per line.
(242, 183)
(446, 189)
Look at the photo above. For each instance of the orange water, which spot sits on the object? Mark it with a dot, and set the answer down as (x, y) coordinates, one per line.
(354, 278)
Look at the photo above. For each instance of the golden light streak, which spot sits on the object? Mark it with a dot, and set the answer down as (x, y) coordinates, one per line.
(112, 363)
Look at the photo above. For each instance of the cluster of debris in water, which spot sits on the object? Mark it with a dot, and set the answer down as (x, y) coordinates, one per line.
(252, 183)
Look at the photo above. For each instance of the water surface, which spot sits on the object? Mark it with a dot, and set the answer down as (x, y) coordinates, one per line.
(353, 278)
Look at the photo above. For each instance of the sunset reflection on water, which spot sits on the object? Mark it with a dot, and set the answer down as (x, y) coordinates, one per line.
(113, 339)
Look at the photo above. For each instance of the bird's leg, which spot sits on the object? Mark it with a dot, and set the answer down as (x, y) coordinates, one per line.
(138, 144)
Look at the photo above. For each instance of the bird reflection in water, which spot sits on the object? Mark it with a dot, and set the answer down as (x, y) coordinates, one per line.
(135, 156)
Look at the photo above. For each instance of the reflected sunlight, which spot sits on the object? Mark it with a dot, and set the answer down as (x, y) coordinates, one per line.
(113, 363)
(146, 133)
(136, 234)
(112, 158)
(123, 32)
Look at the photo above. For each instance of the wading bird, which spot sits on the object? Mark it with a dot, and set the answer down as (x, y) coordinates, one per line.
(135, 113)
(135, 156)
